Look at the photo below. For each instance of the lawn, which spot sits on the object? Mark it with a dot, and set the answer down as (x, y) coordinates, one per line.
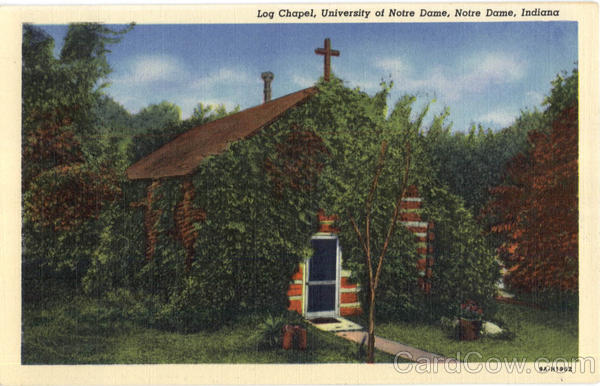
(539, 333)
(83, 332)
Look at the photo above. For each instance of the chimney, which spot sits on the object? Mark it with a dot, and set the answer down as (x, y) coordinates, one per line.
(267, 77)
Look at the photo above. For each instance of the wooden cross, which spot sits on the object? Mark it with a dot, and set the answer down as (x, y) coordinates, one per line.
(328, 53)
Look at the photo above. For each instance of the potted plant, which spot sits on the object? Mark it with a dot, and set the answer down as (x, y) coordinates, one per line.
(469, 320)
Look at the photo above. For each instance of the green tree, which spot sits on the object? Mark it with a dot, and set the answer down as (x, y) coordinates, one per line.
(468, 164)
(375, 200)
(112, 118)
(374, 263)
(205, 113)
(564, 95)
(157, 116)
(466, 267)
(65, 180)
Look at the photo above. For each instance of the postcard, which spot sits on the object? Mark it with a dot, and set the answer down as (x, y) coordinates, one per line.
(307, 193)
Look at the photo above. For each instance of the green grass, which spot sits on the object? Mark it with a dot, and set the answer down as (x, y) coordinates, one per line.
(84, 332)
(539, 333)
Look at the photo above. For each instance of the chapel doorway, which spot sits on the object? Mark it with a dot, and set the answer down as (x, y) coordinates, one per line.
(323, 278)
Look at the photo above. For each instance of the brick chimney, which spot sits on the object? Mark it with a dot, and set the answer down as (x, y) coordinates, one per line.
(267, 77)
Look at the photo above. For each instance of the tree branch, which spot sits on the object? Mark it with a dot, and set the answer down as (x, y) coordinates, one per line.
(369, 201)
(362, 242)
(357, 231)
(395, 216)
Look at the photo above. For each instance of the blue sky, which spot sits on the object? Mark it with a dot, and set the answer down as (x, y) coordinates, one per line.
(484, 72)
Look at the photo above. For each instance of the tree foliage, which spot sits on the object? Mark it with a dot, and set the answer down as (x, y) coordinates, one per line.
(469, 164)
(65, 180)
(204, 113)
(157, 116)
(158, 124)
(535, 210)
(112, 118)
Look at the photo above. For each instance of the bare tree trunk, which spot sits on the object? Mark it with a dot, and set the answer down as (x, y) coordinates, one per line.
(371, 338)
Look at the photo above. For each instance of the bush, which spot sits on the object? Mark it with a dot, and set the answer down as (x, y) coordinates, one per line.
(54, 262)
(269, 333)
(465, 266)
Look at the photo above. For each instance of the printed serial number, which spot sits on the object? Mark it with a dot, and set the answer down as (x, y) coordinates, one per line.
(555, 369)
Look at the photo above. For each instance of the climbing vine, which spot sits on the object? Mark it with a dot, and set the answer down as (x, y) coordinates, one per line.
(298, 161)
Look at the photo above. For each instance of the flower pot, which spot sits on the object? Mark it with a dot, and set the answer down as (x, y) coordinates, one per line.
(469, 329)
(300, 334)
(294, 337)
(288, 336)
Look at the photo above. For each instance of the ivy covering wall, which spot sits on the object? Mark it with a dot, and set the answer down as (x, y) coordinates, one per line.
(253, 211)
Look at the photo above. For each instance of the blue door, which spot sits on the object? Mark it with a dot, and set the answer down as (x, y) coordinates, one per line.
(322, 280)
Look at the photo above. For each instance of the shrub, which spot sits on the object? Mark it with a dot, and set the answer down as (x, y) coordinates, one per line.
(465, 266)
(269, 333)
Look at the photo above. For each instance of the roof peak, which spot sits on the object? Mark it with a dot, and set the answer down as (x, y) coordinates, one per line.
(185, 153)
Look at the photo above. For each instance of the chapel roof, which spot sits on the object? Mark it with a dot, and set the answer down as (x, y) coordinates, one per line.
(185, 153)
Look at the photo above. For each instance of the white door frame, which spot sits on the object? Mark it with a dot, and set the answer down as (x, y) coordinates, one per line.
(338, 258)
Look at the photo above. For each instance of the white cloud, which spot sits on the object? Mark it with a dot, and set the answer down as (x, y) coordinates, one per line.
(224, 75)
(534, 98)
(439, 81)
(503, 66)
(450, 83)
(484, 70)
(502, 118)
(303, 81)
(393, 66)
(152, 68)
